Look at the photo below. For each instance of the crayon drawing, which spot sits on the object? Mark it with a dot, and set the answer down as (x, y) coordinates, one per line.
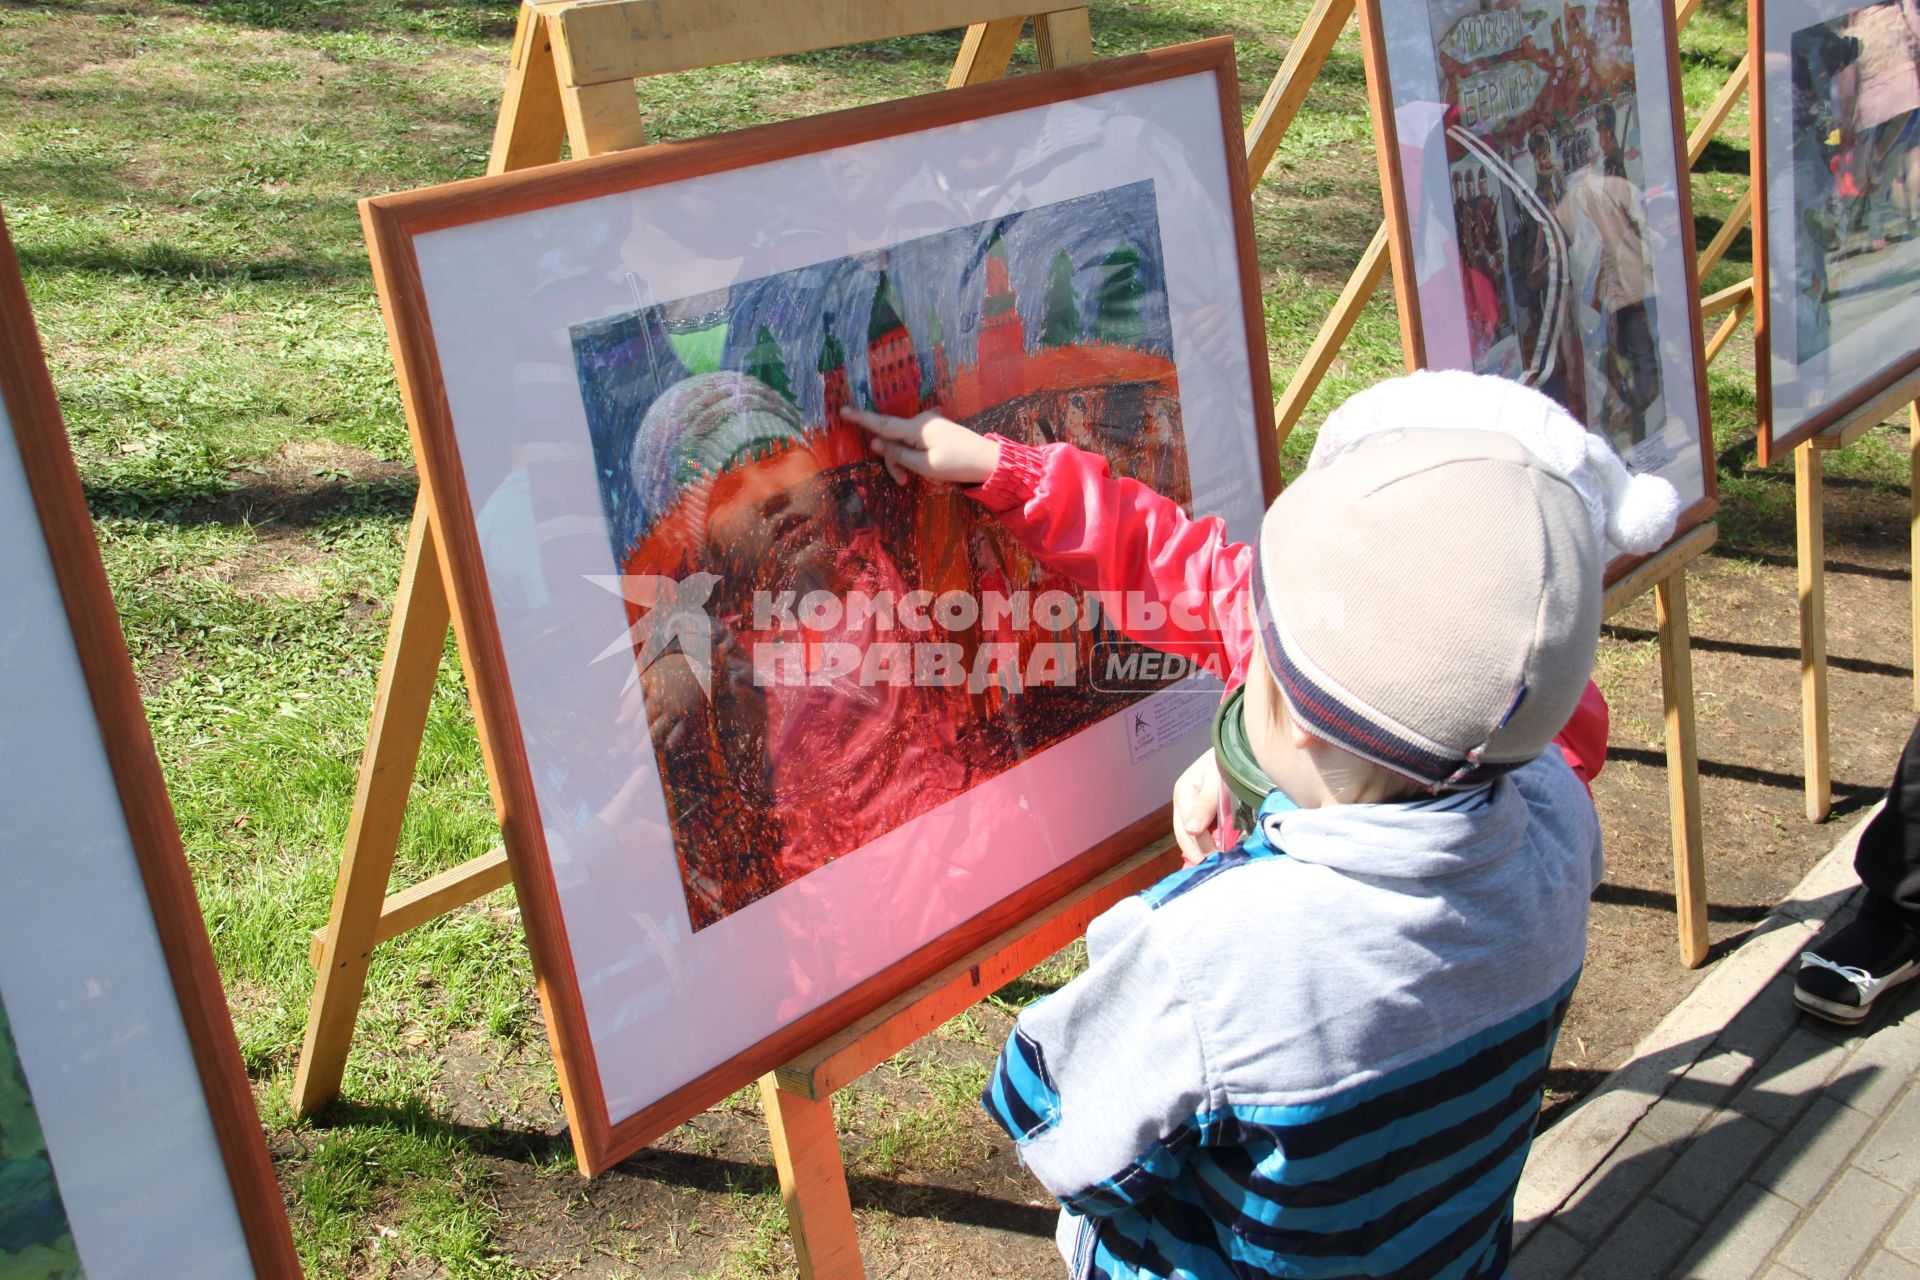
(1856, 171)
(1549, 202)
(836, 708)
(35, 1241)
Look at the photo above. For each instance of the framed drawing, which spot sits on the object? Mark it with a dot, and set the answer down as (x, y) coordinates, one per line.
(773, 737)
(1836, 122)
(129, 1143)
(1530, 155)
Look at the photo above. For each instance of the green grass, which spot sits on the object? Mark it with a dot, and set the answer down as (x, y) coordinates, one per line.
(180, 179)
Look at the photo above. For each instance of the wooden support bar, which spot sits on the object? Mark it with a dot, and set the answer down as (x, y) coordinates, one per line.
(813, 1183)
(1734, 295)
(1729, 326)
(601, 118)
(414, 644)
(623, 40)
(1334, 329)
(1730, 92)
(1063, 39)
(430, 899)
(843, 1058)
(1869, 415)
(1643, 577)
(1683, 767)
(1305, 56)
(1683, 12)
(531, 127)
(985, 52)
(1809, 521)
(1723, 239)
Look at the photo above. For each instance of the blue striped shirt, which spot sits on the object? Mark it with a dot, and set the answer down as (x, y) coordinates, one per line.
(1209, 1142)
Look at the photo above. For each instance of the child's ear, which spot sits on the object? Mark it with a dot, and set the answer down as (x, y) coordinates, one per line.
(1298, 733)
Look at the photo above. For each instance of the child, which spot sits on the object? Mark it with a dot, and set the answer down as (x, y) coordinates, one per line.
(1320, 1053)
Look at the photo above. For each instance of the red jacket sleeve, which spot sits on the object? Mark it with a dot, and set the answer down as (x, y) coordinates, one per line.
(1166, 579)
(1583, 741)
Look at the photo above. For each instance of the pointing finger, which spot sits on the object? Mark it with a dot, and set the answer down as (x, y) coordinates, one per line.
(882, 425)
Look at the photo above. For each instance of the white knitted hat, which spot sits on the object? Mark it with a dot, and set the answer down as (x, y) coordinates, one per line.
(1635, 514)
(1429, 588)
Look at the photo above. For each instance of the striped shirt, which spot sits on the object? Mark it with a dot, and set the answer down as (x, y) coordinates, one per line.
(1353, 1093)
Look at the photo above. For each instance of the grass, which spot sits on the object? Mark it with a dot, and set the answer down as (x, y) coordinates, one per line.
(180, 179)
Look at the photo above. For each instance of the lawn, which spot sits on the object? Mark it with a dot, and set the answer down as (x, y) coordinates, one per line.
(180, 179)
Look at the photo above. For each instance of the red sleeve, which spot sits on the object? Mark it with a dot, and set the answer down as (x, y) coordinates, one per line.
(1584, 739)
(1166, 579)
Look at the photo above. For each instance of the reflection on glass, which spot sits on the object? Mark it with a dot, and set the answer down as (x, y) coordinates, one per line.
(825, 655)
(1549, 204)
(1855, 172)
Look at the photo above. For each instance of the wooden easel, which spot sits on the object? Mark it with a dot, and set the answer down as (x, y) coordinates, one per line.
(1809, 521)
(1665, 572)
(571, 82)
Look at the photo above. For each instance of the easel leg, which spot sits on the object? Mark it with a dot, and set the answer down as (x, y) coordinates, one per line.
(1810, 523)
(414, 645)
(531, 127)
(1683, 768)
(985, 52)
(813, 1183)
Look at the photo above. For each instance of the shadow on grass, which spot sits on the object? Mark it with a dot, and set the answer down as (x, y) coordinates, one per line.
(164, 262)
(1619, 895)
(1780, 560)
(389, 492)
(1784, 653)
(473, 19)
(690, 1171)
(1724, 157)
(1848, 797)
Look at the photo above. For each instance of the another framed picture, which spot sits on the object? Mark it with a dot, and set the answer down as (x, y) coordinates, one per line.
(774, 737)
(1530, 155)
(1836, 123)
(129, 1143)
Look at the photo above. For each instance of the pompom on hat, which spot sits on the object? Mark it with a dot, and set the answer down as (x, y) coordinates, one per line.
(1635, 514)
(1428, 591)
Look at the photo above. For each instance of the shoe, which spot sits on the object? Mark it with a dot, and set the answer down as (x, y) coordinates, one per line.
(1841, 980)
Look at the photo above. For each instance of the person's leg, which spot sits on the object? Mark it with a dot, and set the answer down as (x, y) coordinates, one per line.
(1841, 978)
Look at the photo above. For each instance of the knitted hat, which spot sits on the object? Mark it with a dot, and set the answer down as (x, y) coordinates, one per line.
(702, 426)
(1429, 588)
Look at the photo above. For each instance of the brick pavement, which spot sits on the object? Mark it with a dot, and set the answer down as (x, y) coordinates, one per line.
(1743, 1141)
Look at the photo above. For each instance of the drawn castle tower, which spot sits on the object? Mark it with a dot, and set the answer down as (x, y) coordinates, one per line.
(1003, 337)
(893, 367)
(833, 373)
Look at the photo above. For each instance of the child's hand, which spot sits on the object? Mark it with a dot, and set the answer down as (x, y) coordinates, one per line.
(1196, 807)
(929, 445)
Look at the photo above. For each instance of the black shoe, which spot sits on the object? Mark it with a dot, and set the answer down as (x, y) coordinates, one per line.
(1841, 980)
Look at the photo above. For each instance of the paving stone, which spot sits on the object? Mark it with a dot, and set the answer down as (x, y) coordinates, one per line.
(1778, 1272)
(1563, 1158)
(1645, 1244)
(1880, 1067)
(1888, 1266)
(1714, 1163)
(1548, 1254)
(1905, 1236)
(1735, 1245)
(1893, 1152)
(1695, 1096)
(1633, 1167)
(1833, 1238)
(1759, 1028)
(1813, 1151)
(1787, 1081)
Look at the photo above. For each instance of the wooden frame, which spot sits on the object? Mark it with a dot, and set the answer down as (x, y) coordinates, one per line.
(1869, 398)
(1400, 235)
(82, 583)
(392, 222)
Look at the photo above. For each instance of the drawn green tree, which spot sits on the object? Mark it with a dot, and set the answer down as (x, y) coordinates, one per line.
(1116, 316)
(766, 363)
(1061, 325)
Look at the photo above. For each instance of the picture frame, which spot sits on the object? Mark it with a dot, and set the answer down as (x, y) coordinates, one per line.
(1540, 218)
(1075, 244)
(1837, 227)
(129, 1138)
